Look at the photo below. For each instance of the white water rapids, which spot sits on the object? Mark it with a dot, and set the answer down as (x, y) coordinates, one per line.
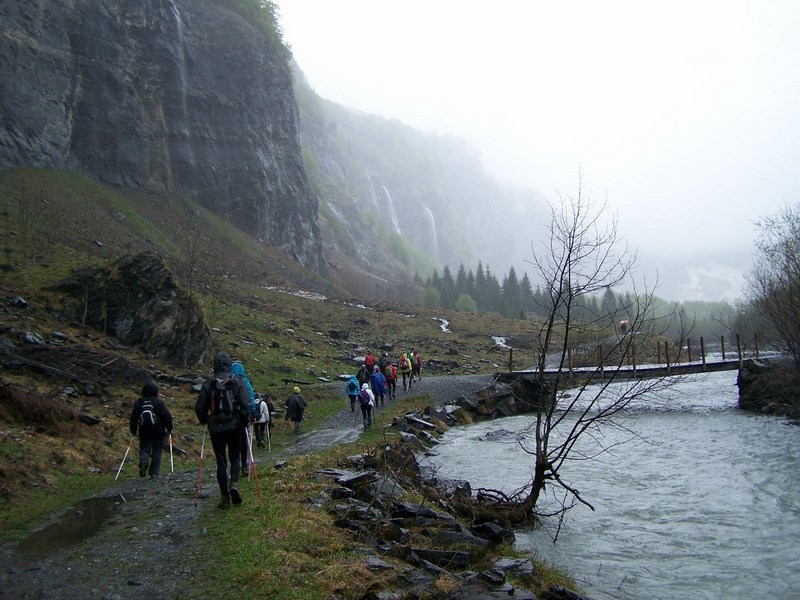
(705, 504)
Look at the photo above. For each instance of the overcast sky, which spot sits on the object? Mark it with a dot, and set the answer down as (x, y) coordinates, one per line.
(685, 116)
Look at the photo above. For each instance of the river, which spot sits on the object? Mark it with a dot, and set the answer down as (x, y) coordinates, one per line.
(704, 503)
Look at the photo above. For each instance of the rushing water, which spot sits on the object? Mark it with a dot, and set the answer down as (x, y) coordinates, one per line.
(704, 504)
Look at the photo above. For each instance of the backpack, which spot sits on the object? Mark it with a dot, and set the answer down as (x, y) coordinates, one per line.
(352, 388)
(403, 362)
(148, 418)
(387, 372)
(363, 397)
(222, 401)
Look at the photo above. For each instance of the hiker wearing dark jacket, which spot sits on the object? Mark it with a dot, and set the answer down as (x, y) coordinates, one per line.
(152, 420)
(224, 406)
(295, 407)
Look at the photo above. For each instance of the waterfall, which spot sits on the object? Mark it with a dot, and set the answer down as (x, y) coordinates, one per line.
(392, 213)
(181, 65)
(434, 238)
(372, 193)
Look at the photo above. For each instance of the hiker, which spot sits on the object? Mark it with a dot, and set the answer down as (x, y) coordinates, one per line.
(390, 372)
(369, 362)
(366, 400)
(270, 400)
(237, 370)
(295, 407)
(152, 419)
(383, 361)
(416, 365)
(378, 385)
(405, 371)
(263, 417)
(222, 405)
(351, 389)
(362, 375)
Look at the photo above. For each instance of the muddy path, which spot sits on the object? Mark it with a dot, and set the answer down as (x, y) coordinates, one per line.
(146, 539)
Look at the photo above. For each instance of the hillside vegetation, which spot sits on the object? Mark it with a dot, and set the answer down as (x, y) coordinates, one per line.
(285, 323)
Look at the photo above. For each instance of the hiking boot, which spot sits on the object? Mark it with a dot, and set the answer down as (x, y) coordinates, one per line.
(225, 502)
(235, 496)
(143, 469)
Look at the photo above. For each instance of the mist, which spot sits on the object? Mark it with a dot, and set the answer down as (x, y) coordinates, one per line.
(682, 117)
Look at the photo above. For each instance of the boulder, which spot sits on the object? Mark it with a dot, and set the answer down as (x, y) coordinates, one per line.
(136, 300)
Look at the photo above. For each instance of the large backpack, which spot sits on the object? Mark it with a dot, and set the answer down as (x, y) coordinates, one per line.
(222, 400)
(363, 397)
(403, 362)
(148, 419)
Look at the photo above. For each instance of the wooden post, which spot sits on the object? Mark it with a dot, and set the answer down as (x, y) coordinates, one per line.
(688, 349)
(510, 360)
(703, 352)
(633, 358)
(666, 355)
(600, 352)
(571, 361)
(739, 349)
(722, 342)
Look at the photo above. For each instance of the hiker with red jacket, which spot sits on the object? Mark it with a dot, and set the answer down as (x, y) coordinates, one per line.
(369, 362)
(224, 405)
(152, 419)
(416, 365)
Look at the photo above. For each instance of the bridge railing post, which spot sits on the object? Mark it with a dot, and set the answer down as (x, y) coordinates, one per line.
(510, 360)
(666, 355)
(703, 352)
(689, 349)
(739, 349)
(722, 343)
(600, 353)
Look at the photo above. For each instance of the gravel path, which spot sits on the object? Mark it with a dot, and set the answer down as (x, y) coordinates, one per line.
(145, 537)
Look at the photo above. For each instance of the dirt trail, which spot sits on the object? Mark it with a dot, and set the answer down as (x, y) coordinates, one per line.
(144, 538)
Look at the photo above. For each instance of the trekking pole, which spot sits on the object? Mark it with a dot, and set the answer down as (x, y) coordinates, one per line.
(171, 462)
(255, 475)
(200, 468)
(128, 449)
(269, 437)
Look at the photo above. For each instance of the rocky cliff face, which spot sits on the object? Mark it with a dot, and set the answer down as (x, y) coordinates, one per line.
(176, 95)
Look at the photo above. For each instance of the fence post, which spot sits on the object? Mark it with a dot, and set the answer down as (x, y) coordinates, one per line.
(600, 352)
(633, 358)
(739, 349)
(703, 352)
(689, 349)
(666, 355)
(571, 361)
(510, 360)
(722, 342)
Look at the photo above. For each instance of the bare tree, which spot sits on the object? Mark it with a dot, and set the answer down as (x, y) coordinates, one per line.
(774, 283)
(582, 256)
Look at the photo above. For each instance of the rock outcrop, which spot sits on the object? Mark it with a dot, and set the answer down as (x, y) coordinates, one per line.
(136, 301)
(191, 96)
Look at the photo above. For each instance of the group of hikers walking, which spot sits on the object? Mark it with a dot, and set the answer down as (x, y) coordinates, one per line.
(227, 405)
(377, 380)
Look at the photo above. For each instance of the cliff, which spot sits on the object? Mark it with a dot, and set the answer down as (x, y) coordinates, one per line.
(192, 96)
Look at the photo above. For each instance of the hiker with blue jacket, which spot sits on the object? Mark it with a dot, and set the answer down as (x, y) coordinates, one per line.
(237, 369)
(351, 389)
(152, 420)
(222, 404)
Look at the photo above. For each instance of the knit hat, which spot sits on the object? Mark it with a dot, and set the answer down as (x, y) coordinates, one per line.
(296, 390)
(150, 390)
